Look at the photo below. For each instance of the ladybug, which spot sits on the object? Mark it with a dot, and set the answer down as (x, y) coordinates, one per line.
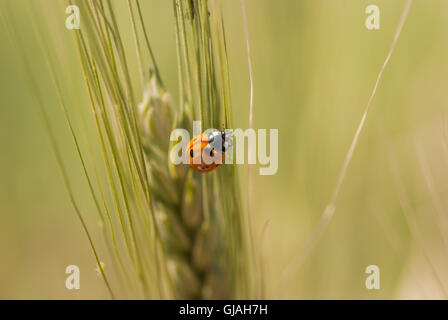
(206, 152)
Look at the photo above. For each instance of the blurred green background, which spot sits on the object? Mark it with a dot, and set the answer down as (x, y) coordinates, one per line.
(315, 65)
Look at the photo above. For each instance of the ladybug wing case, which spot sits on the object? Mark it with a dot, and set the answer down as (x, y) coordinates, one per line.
(195, 153)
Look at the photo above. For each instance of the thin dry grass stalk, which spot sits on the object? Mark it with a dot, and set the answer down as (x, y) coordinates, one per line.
(328, 213)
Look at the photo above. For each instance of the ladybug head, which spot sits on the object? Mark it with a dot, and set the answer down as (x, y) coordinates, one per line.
(227, 139)
(221, 141)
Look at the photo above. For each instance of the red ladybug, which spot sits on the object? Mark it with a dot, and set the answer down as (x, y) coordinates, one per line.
(206, 152)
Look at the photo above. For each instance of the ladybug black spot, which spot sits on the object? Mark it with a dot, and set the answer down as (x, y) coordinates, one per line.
(191, 153)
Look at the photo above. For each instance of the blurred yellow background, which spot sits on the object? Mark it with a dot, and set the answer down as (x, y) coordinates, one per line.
(315, 65)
